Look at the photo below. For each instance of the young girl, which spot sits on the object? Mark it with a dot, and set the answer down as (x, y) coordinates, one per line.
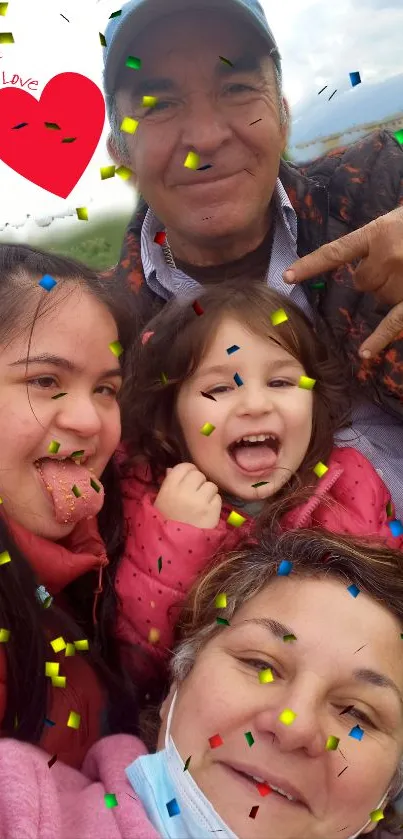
(60, 376)
(230, 415)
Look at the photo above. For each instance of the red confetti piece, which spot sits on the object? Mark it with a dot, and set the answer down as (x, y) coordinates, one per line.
(215, 741)
(160, 238)
(146, 337)
(52, 761)
(263, 789)
(253, 812)
(197, 308)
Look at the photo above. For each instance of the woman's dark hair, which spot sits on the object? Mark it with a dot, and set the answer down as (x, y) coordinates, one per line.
(22, 303)
(180, 338)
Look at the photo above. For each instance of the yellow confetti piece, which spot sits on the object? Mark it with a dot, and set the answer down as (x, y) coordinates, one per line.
(6, 38)
(116, 348)
(59, 681)
(320, 469)
(376, 816)
(266, 676)
(4, 635)
(332, 743)
(192, 160)
(70, 649)
(58, 644)
(154, 635)
(287, 716)
(129, 125)
(235, 519)
(3, 9)
(53, 447)
(5, 557)
(279, 316)
(81, 645)
(107, 172)
(149, 101)
(306, 383)
(74, 720)
(221, 601)
(207, 429)
(52, 668)
(82, 213)
(164, 379)
(124, 173)
(1, 500)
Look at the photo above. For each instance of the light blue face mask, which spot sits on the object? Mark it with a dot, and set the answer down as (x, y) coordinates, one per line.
(159, 778)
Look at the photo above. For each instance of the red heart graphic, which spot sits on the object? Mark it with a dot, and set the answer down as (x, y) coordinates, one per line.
(72, 102)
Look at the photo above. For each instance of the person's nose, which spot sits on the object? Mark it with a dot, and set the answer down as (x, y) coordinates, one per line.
(205, 127)
(295, 722)
(79, 415)
(254, 400)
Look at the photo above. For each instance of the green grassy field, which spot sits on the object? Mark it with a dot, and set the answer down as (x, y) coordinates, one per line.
(97, 244)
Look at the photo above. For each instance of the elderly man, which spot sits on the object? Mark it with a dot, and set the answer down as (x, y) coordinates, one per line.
(200, 81)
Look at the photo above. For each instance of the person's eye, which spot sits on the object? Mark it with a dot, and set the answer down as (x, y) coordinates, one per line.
(160, 105)
(108, 390)
(259, 664)
(360, 716)
(44, 382)
(238, 88)
(281, 383)
(219, 389)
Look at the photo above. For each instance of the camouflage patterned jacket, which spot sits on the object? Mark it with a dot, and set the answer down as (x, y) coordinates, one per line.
(333, 195)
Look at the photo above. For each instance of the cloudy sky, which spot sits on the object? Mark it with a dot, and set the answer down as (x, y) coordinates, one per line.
(320, 44)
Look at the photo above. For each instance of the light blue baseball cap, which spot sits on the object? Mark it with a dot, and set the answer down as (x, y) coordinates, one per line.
(136, 15)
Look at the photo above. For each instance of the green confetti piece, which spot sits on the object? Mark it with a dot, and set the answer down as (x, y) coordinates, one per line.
(260, 484)
(399, 136)
(133, 62)
(69, 139)
(187, 763)
(47, 602)
(110, 800)
(124, 173)
(4, 558)
(129, 125)
(287, 716)
(102, 39)
(235, 519)
(75, 490)
(79, 453)
(107, 172)
(94, 485)
(222, 621)
(306, 383)
(115, 14)
(159, 563)
(279, 316)
(317, 285)
(59, 395)
(116, 348)
(164, 379)
(226, 60)
(221, 601)
(320, 469)
(389, 509)
(4, 635)
(53, 447)
(207, 429)
(82, 213)
(266, 676)
(288, 638)
(332, 743)
(192, 160)
(53, 126)
(249, 738)
(6, 38)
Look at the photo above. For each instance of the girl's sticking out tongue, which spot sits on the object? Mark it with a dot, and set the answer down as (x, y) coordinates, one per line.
(59, 477)
(255, 457)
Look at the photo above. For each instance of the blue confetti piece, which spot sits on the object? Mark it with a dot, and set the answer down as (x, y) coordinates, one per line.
(173, 808)
(47, 282)
(232, 349)
(396, 527)
(49, 722)
(356, 732)
(237, 379)
(354, 591)
(284, 568)
(355, 78)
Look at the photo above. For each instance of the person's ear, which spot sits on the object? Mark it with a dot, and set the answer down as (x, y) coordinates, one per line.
(285, 126)
(114, 152)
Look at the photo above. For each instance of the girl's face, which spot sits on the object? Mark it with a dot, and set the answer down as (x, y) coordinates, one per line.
(341, 676)
(266, 407)
(69, 353)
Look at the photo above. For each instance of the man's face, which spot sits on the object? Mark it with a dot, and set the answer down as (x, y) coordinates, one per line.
(228, 115)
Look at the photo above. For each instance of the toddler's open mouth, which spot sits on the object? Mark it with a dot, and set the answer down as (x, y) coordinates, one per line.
(255, 453)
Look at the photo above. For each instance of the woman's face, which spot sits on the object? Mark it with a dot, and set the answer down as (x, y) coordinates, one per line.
(342, 674)
(266, 405)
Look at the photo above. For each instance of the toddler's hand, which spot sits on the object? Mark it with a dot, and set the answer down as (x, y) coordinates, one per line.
(187, 496)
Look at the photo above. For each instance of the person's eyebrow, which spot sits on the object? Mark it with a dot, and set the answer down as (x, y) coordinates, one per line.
(163, 84)
(227, 368)
(363, 674)
(63, 363)
(246, 63)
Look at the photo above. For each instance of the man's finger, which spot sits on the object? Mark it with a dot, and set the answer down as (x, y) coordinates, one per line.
(387, 331)
(330, 256)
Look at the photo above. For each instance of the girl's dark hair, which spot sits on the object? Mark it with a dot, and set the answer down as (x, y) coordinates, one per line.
(179, 341)
(22, 303)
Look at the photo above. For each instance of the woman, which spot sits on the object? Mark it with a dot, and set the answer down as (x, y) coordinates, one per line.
(284, 720)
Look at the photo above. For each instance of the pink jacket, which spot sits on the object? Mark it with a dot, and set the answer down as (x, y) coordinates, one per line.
(38, 802)
(356, 501)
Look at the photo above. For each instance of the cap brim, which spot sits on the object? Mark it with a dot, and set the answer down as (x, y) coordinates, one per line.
(147, 11)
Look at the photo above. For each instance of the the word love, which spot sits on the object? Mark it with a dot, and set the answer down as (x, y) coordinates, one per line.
(18, 81)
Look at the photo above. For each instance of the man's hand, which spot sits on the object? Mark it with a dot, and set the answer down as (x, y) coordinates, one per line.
(379, 245)
(187, 496)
